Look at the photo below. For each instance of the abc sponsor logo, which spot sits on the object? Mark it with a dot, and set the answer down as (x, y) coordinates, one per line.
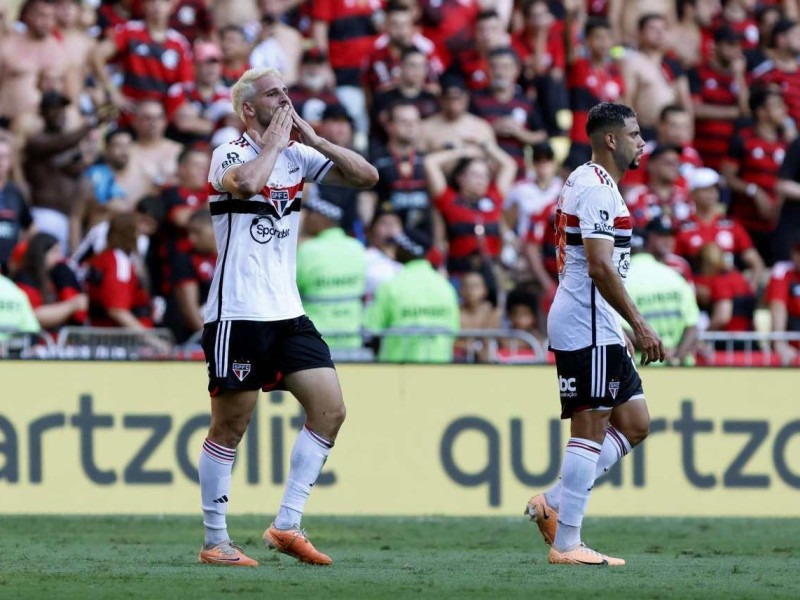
(567, 387)
(263, 229)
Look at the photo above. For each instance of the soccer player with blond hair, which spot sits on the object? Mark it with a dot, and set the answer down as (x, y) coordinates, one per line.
(601, 392)
(256, 335)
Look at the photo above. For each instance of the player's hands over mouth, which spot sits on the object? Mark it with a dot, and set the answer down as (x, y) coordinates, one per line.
(278, 132)
(307, 134)
(650, 344)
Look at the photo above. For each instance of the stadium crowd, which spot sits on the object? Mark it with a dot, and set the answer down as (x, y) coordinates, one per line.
(473, 112)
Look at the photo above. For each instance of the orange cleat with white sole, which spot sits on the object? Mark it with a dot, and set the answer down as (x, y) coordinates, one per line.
(227, 554)
(583, 556)
(545, 517)
(294, 542)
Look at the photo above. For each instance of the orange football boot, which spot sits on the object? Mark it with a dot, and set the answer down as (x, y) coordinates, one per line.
(545, 517)
(228, 554)
(294, 542)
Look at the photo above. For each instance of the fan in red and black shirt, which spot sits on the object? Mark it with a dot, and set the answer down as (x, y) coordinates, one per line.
(150, 56)
(192, 19)
(472, 207)
(674, 129)
(725, 293)
(346, 31)
(709, 224)
(719, 93)
(752, 166)
(450, 25)
(192, 272)
(383, 64)
(541, 48)
(665, 193)
(195, 110)
(235, 53)
(401, 183)
(179, 202)
(52, 288)
(590, 81)
(312, 93)
(782, 69)
(783, 299)
(117, 297)
(473, 62)
(513, 116)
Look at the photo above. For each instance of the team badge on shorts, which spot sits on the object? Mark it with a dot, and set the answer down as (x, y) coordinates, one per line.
(613, 388)
(241, 370)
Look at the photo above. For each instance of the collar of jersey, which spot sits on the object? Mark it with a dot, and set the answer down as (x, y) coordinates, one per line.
(251, 142)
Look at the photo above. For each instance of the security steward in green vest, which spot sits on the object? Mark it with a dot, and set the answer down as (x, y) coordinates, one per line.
(417, 298)
(331, 268)
(665, 299)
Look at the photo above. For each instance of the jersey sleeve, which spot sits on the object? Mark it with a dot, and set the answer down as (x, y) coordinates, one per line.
(596, 210)
(314, 164)
(223, 159)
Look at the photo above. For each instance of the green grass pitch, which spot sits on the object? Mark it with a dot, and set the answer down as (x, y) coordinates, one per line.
(391, 558)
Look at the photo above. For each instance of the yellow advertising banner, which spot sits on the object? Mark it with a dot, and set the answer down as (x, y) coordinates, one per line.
(80, 437)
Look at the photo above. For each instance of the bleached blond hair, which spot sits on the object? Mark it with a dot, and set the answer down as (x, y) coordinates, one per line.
(244, 89)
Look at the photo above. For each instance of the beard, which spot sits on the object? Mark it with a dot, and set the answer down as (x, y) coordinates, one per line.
(634, 164)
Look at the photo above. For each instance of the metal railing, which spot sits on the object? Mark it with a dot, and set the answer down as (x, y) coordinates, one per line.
(745, 348)
(494, 346)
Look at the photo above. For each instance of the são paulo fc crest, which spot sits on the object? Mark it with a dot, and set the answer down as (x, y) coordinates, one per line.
(613, 388)
(241, 370)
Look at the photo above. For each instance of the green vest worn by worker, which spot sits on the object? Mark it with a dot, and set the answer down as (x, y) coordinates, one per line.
(16, 314)
(331, 271)
(665, 299)
(418, 296)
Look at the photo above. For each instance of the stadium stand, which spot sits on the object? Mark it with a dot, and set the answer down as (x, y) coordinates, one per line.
(121, 103)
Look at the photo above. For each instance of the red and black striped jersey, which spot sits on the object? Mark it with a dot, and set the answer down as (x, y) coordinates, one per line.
(588, 86)
(758, 161)
(150, 67)
(472, 228)
(542, 232)
(788, 81)
(712, 136)
(383, 65)
(520, 108)
(351, 33)
(645, 204)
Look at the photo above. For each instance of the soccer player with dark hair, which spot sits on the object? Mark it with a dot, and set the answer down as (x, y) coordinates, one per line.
(601, 391)
(256, 335)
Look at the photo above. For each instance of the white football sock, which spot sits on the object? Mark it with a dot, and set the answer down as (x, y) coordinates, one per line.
(577, 479)
(615, 446)
(308, 456)
(216, 464)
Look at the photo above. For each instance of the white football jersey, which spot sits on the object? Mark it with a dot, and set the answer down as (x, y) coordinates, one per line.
(590, 206)
(255, 276)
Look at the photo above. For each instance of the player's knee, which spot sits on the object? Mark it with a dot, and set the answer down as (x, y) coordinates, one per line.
(229, 433)
(336, 416)
(638, 432)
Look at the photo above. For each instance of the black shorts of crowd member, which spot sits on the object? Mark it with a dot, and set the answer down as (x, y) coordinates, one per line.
(252, 355)
(599, 377)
